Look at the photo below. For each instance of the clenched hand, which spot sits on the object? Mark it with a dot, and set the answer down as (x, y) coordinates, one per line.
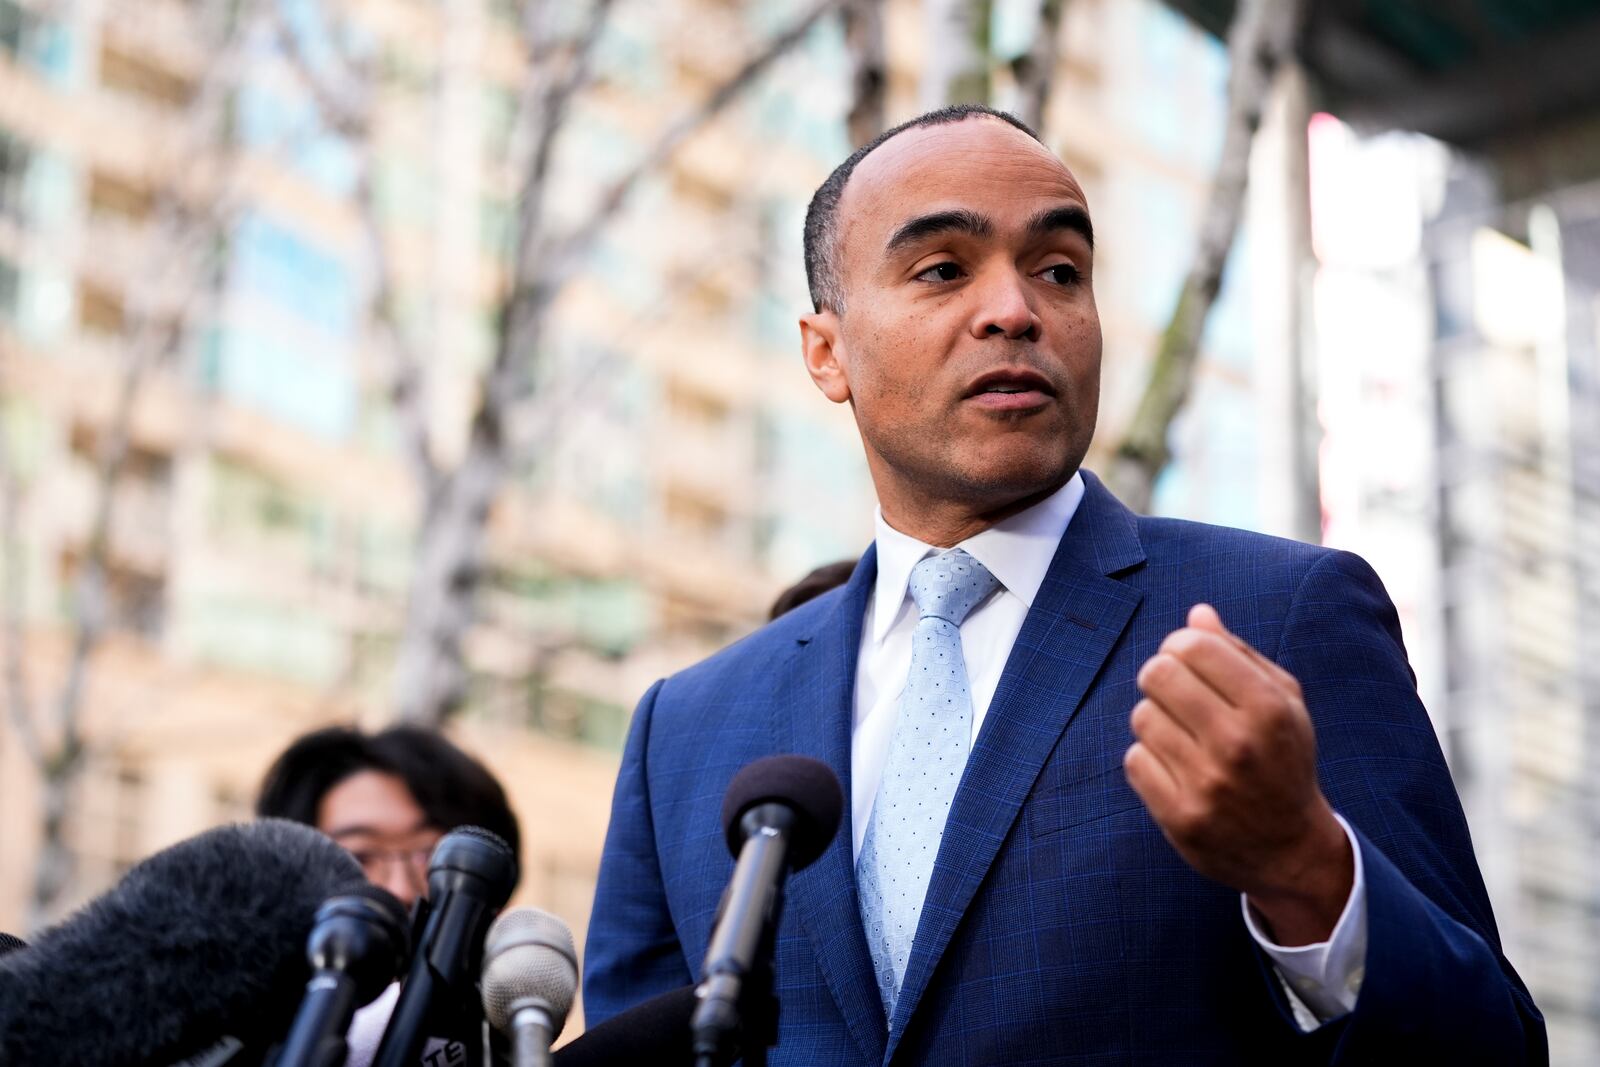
(1225, 762)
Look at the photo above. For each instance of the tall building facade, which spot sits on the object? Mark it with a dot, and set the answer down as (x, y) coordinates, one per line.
(1458, 332)
(173, 193)
(1516, 369)
(207, 223)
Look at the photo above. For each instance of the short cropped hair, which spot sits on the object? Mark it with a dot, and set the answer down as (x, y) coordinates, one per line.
(450, 787)
(823, 275)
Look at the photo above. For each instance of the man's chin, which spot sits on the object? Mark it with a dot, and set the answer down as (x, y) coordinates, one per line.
(1016, 480)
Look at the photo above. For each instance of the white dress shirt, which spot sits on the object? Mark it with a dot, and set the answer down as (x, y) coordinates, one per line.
(1321, 980)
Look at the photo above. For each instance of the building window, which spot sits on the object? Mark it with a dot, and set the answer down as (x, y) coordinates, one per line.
(113, 195)
(100, 310)
(135, 75)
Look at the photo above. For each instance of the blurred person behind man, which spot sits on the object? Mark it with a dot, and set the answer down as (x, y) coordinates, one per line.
(819, 581)
(388, 797)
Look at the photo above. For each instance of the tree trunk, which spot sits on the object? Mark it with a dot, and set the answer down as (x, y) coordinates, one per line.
(956, 67)
(183, 242)
(1035, 69)
(431, 679)
(869, 73)
(53, 870)
(1259, 40)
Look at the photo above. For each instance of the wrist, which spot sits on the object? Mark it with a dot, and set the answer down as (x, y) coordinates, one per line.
(1310, 887)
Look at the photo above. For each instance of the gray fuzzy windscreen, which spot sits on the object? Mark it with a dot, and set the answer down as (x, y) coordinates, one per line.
(203, 940)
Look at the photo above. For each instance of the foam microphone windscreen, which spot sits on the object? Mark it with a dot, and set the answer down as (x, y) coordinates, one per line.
(807, 786)
(202, 942)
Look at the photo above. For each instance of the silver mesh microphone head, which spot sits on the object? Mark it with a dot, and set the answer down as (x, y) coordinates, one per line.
(528, 961)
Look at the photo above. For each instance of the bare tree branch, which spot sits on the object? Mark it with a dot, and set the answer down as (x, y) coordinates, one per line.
(1035, 69)
(558, 99)
(19, 690)
(185, 238)
(352, 120)
(407, 382)
(431, 678)
(1259, 41)
(958, 55)
(869, 70)
(582, 238)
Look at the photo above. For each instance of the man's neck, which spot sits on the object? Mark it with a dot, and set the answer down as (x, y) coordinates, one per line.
(944, 524)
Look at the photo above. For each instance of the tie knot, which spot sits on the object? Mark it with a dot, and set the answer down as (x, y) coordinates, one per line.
(949, 585)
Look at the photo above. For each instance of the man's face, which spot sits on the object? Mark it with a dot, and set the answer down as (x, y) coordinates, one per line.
(969, 345)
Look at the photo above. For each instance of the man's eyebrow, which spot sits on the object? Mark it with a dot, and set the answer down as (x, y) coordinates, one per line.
(1072, 218)
(956, 221)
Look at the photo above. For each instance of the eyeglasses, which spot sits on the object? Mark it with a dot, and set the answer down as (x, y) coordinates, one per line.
(377, 863)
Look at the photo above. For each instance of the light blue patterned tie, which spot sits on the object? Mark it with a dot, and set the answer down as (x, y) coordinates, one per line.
(926, 757)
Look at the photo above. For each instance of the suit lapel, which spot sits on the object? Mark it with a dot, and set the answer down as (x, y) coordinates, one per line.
(814, 719)
(1076, 620)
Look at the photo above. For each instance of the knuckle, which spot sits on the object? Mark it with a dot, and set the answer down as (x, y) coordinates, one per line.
(1133, 761)
(1139, 720)
(1188, 820)
(1232, 746)
(1268, 705)
(1282, 729)
(1209, 786)
(1238, 749)
(1157, 670)
(1181, 642)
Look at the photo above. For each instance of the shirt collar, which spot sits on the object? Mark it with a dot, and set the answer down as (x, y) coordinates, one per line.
(1017, 551)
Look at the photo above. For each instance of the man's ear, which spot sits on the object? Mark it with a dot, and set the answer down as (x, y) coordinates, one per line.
(822, 347)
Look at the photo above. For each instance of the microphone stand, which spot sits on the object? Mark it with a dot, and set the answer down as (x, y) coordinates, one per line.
(758, 1004)
(738, 1009)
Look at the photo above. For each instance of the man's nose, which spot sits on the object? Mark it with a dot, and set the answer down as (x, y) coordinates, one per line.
(1004, 309)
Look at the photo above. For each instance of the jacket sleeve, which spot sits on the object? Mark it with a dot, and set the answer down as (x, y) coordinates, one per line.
(1436, 987)
(633, 951)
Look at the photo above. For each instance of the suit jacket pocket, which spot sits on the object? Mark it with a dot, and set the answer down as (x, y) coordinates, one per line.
(1099, 795)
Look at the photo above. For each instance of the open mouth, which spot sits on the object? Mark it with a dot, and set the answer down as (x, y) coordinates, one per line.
(1011, 389)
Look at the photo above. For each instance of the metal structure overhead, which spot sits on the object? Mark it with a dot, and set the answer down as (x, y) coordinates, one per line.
(1465, 71)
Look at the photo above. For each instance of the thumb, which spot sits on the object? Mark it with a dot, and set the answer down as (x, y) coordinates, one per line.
(1205, 617)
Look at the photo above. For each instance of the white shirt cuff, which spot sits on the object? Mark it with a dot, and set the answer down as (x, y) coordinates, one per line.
(1323, 980)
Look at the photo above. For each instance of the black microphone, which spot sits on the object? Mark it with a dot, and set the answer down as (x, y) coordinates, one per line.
(654, 1032)
(197, 950)
(10, 943)
(470, 877)
(358, 944)
(778, 815)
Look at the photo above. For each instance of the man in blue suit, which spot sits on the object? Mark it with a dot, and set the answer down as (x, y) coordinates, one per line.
(1088, 822)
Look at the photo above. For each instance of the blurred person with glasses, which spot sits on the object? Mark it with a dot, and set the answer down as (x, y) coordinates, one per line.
(388, 797)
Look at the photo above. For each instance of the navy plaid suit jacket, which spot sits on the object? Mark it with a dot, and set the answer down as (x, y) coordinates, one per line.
(1060, 926)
